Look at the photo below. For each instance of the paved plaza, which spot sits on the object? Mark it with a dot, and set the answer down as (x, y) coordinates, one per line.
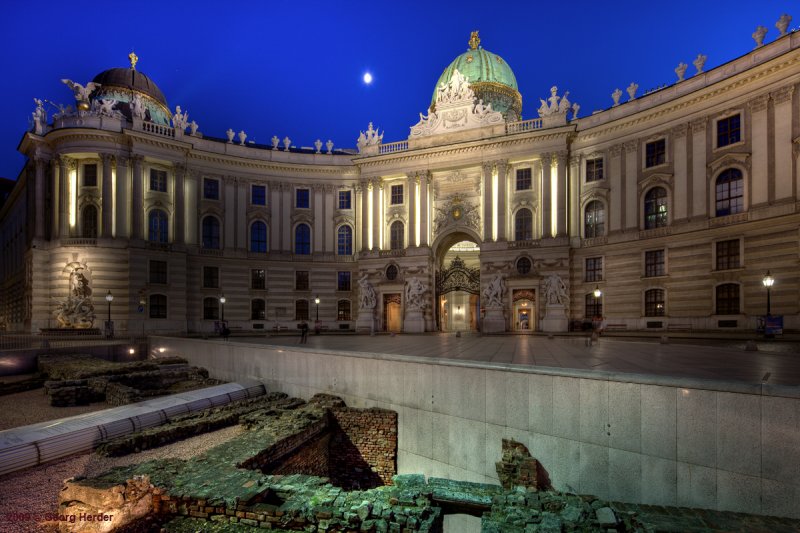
(776, 362)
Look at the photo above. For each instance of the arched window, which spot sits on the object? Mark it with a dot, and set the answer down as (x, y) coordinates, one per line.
(655, 208)
(523, 265)
(301, 310)
(157, 226)
(594, 306)
(523, 225)
(397, 231)
(211, 232)
(89, 222)
(258, 237)
(158, 306)
(594, 220)
(258, 309)
(343, 310)
(727, 299)
(211, 308)
(654, 302)
(730, 192)
(302, 239)
(345, 241)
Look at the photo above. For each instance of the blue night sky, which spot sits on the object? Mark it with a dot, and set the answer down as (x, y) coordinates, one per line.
(295, 68)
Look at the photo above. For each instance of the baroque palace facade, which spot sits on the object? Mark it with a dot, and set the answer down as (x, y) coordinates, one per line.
(664, 211)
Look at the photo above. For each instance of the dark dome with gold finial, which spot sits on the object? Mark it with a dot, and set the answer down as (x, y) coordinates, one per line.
(121, 84)
(490, 78)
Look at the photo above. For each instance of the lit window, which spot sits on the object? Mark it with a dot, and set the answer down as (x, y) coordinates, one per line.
(258, 237)
(728, 254)
(523, 225)
(345, 241)
(302, 198)
(211, 233)
(655, 208)
(654, 302)
(397, 194)
(594, 220)
(655, 153)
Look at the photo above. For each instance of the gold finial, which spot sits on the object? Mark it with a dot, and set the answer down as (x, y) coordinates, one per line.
(474, 40)
(134, 59)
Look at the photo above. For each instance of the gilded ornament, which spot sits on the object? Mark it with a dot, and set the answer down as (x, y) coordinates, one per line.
(470, 58)
(474, 40)
(134, 59)
(457, 213)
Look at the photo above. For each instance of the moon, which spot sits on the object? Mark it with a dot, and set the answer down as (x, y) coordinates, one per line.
(367, 78)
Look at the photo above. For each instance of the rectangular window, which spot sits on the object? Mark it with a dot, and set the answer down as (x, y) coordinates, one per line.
(343, 281)
(728, 254)
(655, 153)
(258, 309)
(258, 278)
(258, 195)
(594, 169)
(210, 189)
(343, 310)
(158, 272)
(158, 180)
(345, 201)
(654, 263)
(158, 306)
(594, 306)
(397, 194)
(301, 310)
(727, 299)
(211, 308)
(303, 198)
(654, 302)
(90, 175)
(523, 179)
(301, 280)
(594, 269)
(210, 277)
(729, 131)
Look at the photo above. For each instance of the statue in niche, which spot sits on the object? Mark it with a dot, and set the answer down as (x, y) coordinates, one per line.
(555, 292)
(368, 299)
(415, 300)
(76, 311)
(494, 291)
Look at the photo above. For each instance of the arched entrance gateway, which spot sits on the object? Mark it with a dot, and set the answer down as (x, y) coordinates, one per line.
(458, 284)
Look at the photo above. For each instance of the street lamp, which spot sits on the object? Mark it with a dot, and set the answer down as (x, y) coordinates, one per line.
(109, 326)
(316, 301)
(222, 301)
(768, 281)
(597, 292)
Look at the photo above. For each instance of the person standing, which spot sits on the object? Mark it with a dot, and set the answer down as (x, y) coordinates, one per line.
(303, 332)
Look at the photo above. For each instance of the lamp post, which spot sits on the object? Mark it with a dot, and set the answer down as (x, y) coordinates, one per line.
(222, 303)
(316, 322)
(109, 326)
(597, 292)
(768, 281)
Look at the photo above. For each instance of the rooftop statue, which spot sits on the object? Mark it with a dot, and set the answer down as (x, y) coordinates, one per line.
(81, 93)
(39, 118)
(180, 120)
(372, 137)
(137, 106)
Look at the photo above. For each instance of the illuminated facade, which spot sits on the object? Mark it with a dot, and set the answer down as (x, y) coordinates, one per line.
(673, 204)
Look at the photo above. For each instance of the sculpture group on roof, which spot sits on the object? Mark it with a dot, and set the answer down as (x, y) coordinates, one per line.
(371, 137)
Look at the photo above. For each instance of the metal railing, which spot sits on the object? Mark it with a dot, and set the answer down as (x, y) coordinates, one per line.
(55, 339)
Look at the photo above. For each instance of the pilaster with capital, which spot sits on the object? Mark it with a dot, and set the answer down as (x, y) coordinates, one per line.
(63, 196)
(137, 198)
(377, 212)
(424, 208)
(412, 179)
(229, 196)
(108, 196)
(121, 203)
(547, 195)
(363, 192)
(561, 195)
(488, 213)
(41, 166)
(180, 203)
(782, 145)
(317, 190)
(699, 187)
(502, 199)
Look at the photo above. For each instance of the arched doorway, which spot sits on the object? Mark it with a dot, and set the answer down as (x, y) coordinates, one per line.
(458, 284)
(524, 310)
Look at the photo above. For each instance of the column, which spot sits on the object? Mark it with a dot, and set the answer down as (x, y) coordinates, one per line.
(40, 162)
(137, 198)
(107, 197)
(121, 203)
(191, 189)
(424, 209)
(242, 234)
(547, 196)
(573, 195)
(782, 157)
(377, 213)
(63, 197)
(331, 203)
(502, 195)
(615, 202)
(699, 183)
(561, 195)
(488, 218)
(760, 146)
(180, 203)
(411, 186)
(362, 202)
(318, 220)
(55, 196)
(287, 204)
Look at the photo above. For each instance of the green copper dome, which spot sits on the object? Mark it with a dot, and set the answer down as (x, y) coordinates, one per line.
(490, 78)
